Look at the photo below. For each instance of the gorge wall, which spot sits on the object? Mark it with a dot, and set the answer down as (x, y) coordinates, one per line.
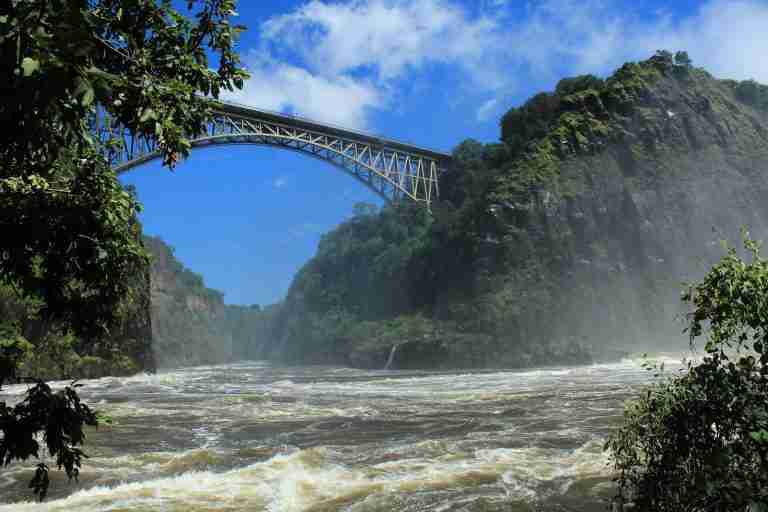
(43, 349)
(191, 325)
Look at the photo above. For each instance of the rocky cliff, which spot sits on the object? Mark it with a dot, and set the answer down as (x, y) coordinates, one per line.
(188, 319)
(568, 240)
(191, 325)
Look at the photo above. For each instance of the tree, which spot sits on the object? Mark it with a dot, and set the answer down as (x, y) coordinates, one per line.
(682, 59)
(663, 57)
(363, 209)
(753, 93)
(698, 441)
(579, 83)
(68, 235)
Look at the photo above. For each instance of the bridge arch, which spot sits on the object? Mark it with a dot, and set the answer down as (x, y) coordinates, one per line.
(391, 169)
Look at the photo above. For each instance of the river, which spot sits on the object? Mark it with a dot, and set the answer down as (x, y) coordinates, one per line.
(253, 437)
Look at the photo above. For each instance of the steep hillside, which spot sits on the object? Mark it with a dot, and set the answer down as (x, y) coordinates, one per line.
(187, 317)
(171, 319)
(191, 325)
(568, 240)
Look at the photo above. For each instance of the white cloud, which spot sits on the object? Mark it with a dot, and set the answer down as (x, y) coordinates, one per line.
(386, 37)
(349, 59)
(486, 109)
(331, 46)
(278, 86)
(728, 37)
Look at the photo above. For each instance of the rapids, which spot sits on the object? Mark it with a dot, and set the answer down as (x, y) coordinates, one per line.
(253, 437)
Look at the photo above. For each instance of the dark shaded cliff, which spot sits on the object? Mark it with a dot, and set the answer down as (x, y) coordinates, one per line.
(568, 240)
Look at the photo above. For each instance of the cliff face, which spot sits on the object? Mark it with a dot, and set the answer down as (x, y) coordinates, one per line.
(188, 319)
(568, 240)
(648, 179)
(134, 334)
(191, 325)
(251, 329)
(170, 319)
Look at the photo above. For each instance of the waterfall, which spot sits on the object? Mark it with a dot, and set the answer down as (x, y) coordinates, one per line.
(391, 357)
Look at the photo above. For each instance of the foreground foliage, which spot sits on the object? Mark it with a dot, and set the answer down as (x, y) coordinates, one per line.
(60, 417)
(699, 441)
(69, 240)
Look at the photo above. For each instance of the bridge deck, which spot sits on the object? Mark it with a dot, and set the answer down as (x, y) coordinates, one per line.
(247, 112)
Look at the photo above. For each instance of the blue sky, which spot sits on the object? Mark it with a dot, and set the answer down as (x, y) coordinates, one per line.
(433, 72)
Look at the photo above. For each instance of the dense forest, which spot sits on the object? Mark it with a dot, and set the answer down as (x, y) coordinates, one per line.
(566, 241)
(44, 346)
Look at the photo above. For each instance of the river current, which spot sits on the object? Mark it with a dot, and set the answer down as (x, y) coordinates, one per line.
(253, 437)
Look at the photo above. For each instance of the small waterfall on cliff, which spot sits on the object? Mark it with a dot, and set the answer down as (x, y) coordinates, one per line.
(391, 357)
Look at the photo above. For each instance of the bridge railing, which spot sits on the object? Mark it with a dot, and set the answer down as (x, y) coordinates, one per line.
(384, 140)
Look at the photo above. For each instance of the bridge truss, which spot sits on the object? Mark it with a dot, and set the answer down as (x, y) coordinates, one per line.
(391, 169)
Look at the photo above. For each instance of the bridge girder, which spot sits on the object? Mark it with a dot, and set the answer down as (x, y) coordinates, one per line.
(391, 169)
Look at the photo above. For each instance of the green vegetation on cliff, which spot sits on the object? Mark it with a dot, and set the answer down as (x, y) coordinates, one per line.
(177, 321)
(564, 241)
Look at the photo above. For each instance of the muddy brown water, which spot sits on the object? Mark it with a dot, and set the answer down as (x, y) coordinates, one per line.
(253, 437)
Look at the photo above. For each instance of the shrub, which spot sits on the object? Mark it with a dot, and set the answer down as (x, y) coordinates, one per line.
(698, 441)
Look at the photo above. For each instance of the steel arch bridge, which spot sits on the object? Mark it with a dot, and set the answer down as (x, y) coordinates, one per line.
(393, 170)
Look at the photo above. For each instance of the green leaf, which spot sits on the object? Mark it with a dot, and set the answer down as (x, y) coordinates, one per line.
(87, 98)
(147, 114)
(29, 66)
(84, 91)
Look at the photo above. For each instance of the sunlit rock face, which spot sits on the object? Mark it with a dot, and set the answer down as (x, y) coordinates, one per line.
(188, 319)
(581, 242)
(190, 324)
(645, 212)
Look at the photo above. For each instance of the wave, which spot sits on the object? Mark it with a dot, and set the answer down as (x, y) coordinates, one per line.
(311, 480)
